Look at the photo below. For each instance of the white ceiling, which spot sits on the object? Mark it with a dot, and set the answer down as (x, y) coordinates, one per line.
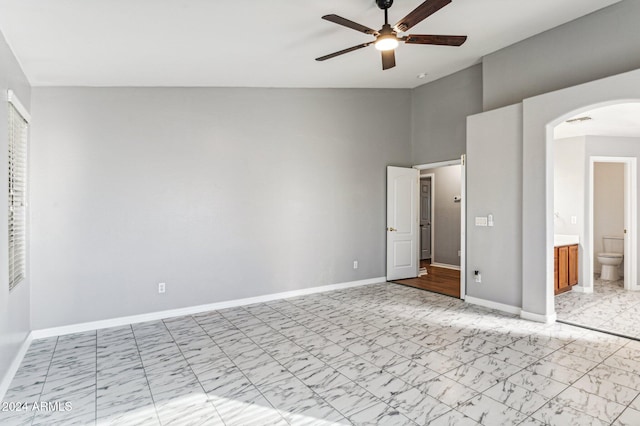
(255, 43)
(614, 120)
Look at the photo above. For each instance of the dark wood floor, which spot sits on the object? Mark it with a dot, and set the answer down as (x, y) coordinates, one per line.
(439, 280)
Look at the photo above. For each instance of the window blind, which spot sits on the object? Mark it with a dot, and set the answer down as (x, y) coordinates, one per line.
(18, 128)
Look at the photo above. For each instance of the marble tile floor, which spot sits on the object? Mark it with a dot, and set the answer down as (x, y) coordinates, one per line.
(380, 354)
(609, 308)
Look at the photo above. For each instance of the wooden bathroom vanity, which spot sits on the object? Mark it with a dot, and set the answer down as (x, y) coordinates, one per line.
(565, 260)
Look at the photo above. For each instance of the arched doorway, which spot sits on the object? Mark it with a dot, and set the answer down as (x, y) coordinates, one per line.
(541, 115)
(595, 212)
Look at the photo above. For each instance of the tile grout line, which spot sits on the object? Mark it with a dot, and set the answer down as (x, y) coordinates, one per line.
(46, 376)
(190, 367)
(409, 360)
(327, 365)
(294, 375)
(584, 375)
(241, 370)
(144, 370)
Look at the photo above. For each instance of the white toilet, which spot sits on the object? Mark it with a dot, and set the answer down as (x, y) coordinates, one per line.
(611, 258)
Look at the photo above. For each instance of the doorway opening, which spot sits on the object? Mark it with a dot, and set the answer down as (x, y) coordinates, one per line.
(440, 222)
(595, 209)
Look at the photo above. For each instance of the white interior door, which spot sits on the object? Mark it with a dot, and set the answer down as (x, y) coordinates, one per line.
(403, 235)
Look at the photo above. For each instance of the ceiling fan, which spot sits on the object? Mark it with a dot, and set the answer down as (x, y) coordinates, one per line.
(387, 38)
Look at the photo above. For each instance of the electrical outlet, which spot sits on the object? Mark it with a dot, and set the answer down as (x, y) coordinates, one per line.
(355, 264)
(161, 287)
(574, 220)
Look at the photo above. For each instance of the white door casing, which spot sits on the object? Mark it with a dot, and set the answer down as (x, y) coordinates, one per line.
(425, 217)
(630, 222)
(403, 236)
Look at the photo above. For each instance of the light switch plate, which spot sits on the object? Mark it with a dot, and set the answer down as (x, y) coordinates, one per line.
(481, 221)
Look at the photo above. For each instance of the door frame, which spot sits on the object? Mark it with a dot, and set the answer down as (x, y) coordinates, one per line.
(463, 217)
(630, 220)
(431, 176)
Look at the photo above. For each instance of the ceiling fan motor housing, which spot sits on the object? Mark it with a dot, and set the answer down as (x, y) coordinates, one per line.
(384, 4)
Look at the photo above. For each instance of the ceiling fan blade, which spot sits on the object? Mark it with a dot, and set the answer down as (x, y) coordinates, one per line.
(416, 16)
(388, 59)
(342, 52)
(441, 40)
(349, 24)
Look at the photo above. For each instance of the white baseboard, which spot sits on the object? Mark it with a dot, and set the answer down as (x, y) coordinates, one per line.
(15, 364)
(580, 289)
(547, 319)
(446, 266)
(492, 305)
(191, 310)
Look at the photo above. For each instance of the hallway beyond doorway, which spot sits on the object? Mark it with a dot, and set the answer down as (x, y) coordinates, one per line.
(438, 280)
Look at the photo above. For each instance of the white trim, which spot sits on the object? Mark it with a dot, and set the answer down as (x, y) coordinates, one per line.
(547, 319)
(581, 289)
(15, 364)
(630, 219)
(154, 316)
(13, 100)
(493, 305)
(463, 226)
(431, 176)
(446, 266)
(438, 164)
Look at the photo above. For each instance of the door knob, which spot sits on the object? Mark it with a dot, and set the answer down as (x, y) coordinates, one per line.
(391, 229)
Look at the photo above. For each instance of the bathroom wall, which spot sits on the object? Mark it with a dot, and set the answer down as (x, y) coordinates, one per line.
(569, 195)
(608, 205)
(569, 185)
(446, 220)
(612, 147)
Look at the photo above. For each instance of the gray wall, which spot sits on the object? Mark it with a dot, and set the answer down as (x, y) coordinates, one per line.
(494, 186)
(446, 220)
(439, 115)
(14, 305)
(220, 193)
(595, 46)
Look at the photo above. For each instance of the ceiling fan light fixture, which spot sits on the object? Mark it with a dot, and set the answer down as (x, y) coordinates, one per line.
(386, 42)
